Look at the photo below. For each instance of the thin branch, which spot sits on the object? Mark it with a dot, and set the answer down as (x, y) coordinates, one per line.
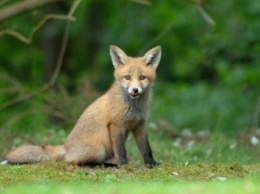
(60, 56)
(63, 46)
(35, 29)
(57, 69)
(16, 100)
(203, 12)
(157, 38)
(143, 2)
(3, 2)
(205, 15)
(48, 17)
(74, 7)
(21, 7)
(15, 34)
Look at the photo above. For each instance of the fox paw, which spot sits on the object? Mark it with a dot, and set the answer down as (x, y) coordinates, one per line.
(152, 165)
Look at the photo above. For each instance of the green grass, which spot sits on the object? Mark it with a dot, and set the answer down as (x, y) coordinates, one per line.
(57, 177)
(248, 186)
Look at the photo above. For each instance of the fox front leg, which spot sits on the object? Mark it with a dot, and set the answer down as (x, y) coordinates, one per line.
(144, 146)
(118, 146)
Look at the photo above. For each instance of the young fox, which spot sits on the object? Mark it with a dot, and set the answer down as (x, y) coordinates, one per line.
(100, 133)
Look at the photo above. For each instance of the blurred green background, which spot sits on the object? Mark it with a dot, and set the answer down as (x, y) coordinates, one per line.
(208, 78)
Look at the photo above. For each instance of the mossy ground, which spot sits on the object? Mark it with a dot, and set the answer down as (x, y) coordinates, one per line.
(58, 177)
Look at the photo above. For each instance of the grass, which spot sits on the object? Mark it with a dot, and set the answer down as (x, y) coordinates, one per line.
(224, 170)
(56, 173)
(57, 177)
(248, 186)
(61, 173)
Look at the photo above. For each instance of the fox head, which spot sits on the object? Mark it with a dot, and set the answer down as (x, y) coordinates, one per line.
(135, 75)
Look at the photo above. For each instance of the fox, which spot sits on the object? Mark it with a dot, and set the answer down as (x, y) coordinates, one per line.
(100, 133)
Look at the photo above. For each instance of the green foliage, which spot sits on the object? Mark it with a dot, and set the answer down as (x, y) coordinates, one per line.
(202, 106)
(215, 70)
(192, 49)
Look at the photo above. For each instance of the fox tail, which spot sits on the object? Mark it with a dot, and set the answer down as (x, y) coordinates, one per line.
(28, 154)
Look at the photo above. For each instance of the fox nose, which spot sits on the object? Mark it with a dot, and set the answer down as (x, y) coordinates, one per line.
(135, 90)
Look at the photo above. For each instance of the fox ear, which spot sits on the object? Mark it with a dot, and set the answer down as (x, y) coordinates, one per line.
(117, 55)
(153, 56)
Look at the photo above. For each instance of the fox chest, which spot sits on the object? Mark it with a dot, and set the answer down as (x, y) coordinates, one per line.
(134, 117)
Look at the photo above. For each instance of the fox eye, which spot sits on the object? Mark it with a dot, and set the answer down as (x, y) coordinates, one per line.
(127, 77)
(142, 77)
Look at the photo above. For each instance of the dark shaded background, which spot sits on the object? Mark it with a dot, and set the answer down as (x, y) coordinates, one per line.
(209, 76)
